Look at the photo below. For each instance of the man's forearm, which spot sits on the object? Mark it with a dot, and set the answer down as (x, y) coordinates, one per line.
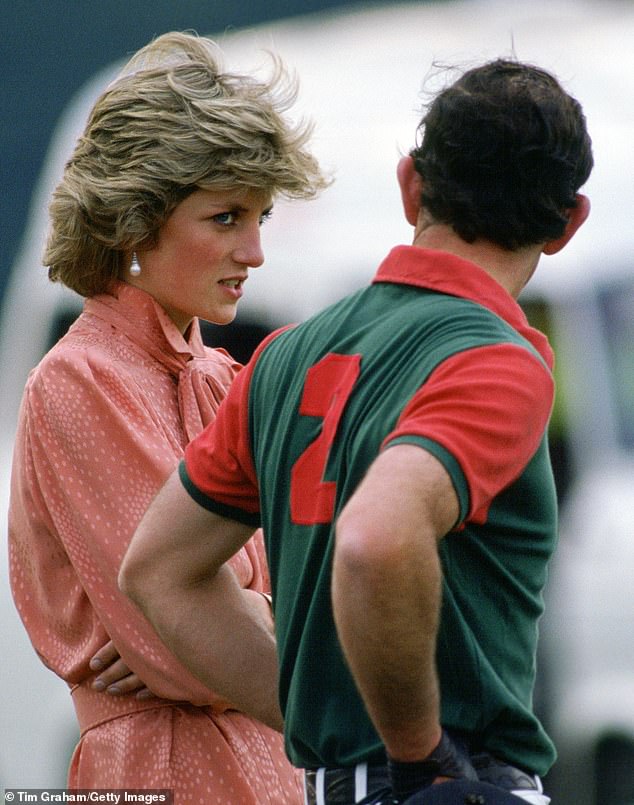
(387, 593)
(388, 631)
(222, 633)
(175, 571)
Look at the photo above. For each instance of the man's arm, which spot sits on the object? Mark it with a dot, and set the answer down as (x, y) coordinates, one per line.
(387, 593)
(175, 571)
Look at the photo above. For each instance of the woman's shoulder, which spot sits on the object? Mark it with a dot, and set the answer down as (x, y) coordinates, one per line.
(80, 362)
(77, 348)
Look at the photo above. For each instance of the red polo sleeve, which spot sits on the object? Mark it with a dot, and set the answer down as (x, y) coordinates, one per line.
(218, 463)
(488, 407)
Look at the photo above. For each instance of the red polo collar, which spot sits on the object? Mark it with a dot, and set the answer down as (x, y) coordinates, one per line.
(446, 273)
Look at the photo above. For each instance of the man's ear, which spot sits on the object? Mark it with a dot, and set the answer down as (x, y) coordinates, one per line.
(411, 185)
(577, 215)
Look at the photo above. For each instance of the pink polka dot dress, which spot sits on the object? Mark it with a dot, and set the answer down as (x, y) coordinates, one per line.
(104, 421)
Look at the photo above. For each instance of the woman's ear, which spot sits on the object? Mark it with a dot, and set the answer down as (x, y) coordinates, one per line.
(411, 185)
(576, 217)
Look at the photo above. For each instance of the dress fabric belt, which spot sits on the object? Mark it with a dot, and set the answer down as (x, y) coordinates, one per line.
(94, 708)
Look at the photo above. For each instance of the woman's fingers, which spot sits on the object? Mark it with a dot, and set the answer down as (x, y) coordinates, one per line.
(114, 676)
(106, 655)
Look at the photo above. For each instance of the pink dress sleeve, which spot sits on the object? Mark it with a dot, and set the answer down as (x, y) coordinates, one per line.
(92, 450)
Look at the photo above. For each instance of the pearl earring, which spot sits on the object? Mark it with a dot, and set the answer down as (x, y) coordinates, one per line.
(135, 268)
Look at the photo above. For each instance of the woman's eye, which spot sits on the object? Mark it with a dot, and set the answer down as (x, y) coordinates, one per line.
(225, 218)
(266, 216)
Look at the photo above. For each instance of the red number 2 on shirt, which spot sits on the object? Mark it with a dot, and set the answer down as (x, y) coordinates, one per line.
(328, 385)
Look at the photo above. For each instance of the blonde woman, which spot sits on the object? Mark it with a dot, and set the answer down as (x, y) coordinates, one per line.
(157, 223)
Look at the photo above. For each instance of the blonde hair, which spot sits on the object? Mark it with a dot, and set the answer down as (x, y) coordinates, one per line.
(171, 123)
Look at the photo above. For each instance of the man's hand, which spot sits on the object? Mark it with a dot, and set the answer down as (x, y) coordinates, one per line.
(448, 761)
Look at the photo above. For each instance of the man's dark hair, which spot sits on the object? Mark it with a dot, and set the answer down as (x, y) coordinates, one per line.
(504, 151)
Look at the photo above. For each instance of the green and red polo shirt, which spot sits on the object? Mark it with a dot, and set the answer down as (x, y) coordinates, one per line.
(434, 353)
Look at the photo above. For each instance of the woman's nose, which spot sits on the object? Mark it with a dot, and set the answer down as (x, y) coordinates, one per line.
(249, 251)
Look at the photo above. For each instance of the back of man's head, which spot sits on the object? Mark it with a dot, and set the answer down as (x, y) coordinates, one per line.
(504, 151)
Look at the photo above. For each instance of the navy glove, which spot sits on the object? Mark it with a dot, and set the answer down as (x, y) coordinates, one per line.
(448, 759)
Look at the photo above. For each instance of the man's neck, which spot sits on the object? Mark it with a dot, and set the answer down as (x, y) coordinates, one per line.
(512, 270)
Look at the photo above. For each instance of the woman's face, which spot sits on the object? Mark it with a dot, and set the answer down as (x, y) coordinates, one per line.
(203, 255)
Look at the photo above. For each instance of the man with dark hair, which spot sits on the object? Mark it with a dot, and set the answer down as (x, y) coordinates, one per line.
(394, 449)
(504, 151)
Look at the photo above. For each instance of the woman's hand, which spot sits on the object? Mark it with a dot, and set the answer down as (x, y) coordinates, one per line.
(114, 676)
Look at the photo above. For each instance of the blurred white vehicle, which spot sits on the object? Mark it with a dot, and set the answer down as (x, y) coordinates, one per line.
(361, 76)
